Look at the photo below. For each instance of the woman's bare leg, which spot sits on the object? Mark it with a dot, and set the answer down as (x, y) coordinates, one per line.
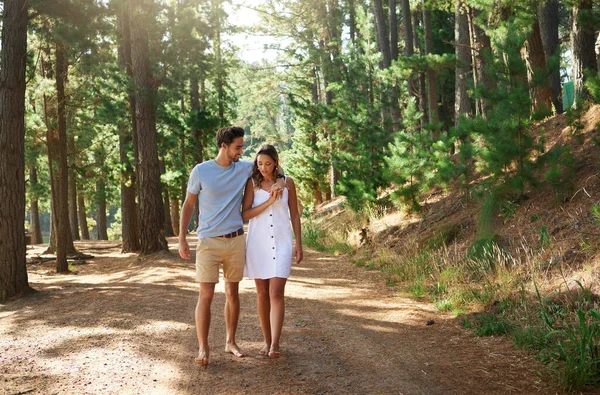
(276, 291)
(264, 310)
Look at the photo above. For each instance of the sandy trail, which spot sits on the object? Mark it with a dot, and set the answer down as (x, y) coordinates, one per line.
(125, 325)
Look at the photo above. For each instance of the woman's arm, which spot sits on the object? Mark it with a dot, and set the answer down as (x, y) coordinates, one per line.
(250, 212)
(295, 218)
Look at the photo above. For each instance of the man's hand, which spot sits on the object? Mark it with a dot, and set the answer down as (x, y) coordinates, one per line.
(276, 192)
(184, 249)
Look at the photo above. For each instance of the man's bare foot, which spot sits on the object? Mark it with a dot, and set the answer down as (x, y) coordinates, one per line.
(235, 350)
(274, 352)
(265, 350)
(202, 358)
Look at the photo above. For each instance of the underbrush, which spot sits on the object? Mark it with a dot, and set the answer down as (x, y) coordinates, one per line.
(521, 294)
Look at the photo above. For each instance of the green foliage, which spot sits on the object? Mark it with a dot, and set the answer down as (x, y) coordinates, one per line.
(508, 210)
(595, 211)
(417, 161)
(560, 175)
(490, 325)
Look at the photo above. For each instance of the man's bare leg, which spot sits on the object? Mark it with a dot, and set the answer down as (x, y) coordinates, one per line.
(264, 310)
(205, 297)
(276, 292)
(232, 315)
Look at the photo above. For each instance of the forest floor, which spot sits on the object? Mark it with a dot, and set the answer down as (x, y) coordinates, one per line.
(124, 324)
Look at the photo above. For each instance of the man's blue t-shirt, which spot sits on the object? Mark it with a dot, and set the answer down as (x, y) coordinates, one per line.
(219, 191)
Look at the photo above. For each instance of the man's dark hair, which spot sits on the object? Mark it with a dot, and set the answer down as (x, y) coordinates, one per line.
(227, 134)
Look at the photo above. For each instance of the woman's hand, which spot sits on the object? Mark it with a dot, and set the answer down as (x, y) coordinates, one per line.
(298, 253)
(275, 193)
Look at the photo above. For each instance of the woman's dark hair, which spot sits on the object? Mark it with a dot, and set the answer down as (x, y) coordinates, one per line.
(271, 152)
(227, 134)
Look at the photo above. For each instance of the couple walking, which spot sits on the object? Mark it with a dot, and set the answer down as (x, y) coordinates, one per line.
(269, 201)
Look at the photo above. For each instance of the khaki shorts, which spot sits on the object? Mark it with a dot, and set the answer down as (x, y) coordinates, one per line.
(215, 251)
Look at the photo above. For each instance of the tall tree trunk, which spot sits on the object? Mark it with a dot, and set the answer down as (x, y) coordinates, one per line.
(583, 39)
(420, 85)
(220, 70)
(168, 225)
(547, 13)
(352, 22)
(383, 41)
(182, 148)
(175, 215)
(462, 102)
(195, 108)
(101, 226)
(541, 94)
(198, 136)
(388, 116)
(34, 212)
(72, 189)
(167, 210)
(60, 197)
(395, 91)
(408, 42)
(130, 228)
(85, 233)
(13, 57)
(150, 197)
(481, 47)
(431, 84)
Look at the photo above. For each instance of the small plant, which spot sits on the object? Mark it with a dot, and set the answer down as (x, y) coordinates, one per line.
(417, 288)
(530, 338)
(578, 348)
(466, 324)
(508, 210)
(312, 235)
(544, 238)
(490, 325)
(4, 295)
(595, 211)
(443, 305)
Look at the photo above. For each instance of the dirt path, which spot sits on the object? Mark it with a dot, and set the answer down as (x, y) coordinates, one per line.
(125, 325)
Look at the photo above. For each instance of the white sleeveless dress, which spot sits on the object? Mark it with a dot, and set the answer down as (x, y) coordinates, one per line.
(270, 240)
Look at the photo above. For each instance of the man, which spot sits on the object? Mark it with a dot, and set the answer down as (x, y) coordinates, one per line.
(218, 184)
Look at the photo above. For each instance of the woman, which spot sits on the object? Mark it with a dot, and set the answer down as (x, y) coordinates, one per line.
(269, 247)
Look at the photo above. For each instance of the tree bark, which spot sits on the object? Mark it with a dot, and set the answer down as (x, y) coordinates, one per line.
(167, 210)
(583, 39)
(408, 42)
(168, 225)
(130, 228)
(85, 233)
(383, 40)
(541, 94)
(60, 197)
(150, 197)
(481, 47)
(72, 190)
(13, 272)
(101, 227)
(547, 13)
(462, 102)
(175, 215)
(34, 212)
(431, 84)
(195, 108)
(420, 83)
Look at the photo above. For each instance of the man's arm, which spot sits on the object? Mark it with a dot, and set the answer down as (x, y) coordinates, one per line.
(187, 210)
(280, 181)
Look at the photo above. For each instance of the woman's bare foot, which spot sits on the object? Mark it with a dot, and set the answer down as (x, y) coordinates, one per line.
(274, 352)
(265, 350)
(234, 349)
(202, 358)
